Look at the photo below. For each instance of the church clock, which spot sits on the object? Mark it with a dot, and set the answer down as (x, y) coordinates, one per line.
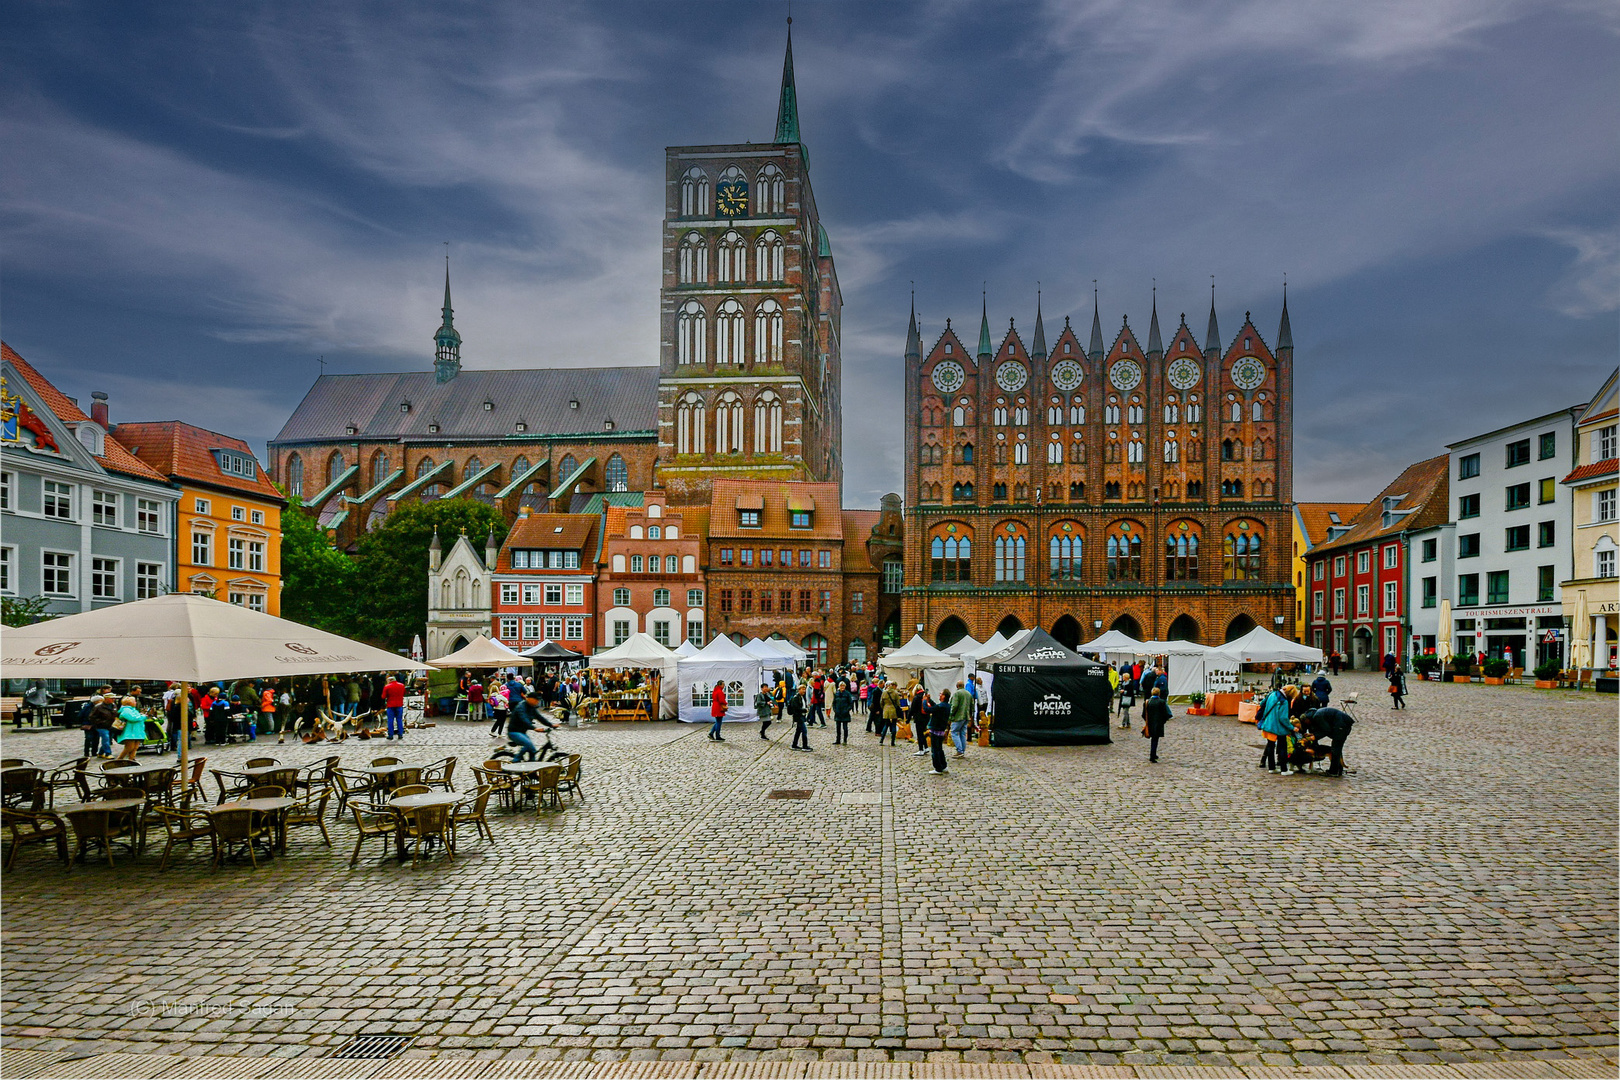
(731, 198)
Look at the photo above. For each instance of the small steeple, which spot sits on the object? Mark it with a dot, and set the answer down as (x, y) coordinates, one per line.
(1155, 345)
(1096, 349)
(447, 343)
(1285, 333)
(1037, 348)
(985, 348)
(1212, 340)
(913, 339)
(787, 107)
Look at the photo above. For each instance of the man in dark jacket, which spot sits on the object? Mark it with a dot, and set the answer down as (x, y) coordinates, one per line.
(1332, 724)
(1155, 711)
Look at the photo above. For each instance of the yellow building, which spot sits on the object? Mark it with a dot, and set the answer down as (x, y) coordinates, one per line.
(1315, 523)
(1595, 532)
(228, 538)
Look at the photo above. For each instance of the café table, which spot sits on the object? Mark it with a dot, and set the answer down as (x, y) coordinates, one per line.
(276, 807)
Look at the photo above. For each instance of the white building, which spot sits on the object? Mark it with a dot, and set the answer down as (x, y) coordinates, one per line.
(459, 606)
(1510, 517)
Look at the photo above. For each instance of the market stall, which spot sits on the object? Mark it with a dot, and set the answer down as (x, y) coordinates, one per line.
(721, 660)
(1046, 695)
(638, 680)
(920, 661)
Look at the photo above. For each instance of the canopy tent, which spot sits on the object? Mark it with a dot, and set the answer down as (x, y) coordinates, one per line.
(917, 659)
(641, 653)
(686, 648)
(484, 652)
(1046, 695)
(549, 652)
(1261, 646)
(721, 660)
(963, 647)
(1113, 643)
(184, 637)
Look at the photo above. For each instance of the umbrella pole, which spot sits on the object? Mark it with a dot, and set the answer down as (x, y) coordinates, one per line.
(185, 741)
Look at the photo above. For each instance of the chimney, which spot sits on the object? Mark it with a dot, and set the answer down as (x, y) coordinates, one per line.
(98, 408)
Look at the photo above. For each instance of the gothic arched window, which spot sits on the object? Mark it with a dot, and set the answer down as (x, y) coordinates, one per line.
(694, 193)
(768, 262)
(295, 475)
(728, 333)
(768, 333)
(728, 419)
(617, 474)
(768, 423)
(694, 260)
(770, 191)
(689, 424)
(733, 257)
(691, 338)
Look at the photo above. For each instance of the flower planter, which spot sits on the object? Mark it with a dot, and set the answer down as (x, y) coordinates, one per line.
(1488, 681)
(1546, 684)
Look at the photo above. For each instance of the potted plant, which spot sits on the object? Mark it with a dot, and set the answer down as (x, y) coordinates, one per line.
(1197, 707)
(1547, 675)
(1495, 671)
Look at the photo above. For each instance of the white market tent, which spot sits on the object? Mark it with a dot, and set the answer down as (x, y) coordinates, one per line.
(721, 660)
(917, 659)
(484, 652)
(641, 652)
(964, 647)
(686, 648)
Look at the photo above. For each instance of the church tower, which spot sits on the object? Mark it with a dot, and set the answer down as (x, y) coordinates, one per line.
(749, 311)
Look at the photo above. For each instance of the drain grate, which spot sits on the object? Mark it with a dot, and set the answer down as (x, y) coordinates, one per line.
(374, 1046)
(789, 793)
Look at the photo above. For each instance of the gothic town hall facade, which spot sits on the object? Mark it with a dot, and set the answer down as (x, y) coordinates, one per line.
(1081, 487)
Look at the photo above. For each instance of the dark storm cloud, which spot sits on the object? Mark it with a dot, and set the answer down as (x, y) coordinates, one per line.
(199, 199)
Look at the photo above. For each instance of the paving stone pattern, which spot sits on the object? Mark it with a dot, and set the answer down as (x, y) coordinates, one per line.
(1451, 905)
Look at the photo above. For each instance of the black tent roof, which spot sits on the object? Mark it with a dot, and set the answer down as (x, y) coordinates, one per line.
(1042, 652)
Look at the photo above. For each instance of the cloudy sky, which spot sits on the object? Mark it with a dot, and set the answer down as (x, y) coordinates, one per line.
(199, 198)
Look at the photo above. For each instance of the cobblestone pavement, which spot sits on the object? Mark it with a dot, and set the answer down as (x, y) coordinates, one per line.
(1452, 904)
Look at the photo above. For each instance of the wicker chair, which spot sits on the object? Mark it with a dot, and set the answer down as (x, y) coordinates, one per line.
(428, 823)
(371, 823)
(311, 810)
(184, 827)
(542, 784)
(30, 827)
(438, 774)
(570, 777)
(232, 827)
(95, 826)
(471, 811)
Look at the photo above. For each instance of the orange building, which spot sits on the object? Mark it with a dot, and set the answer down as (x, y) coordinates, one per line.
(228, 539)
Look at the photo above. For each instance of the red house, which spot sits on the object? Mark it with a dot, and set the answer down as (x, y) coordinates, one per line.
(544, 584)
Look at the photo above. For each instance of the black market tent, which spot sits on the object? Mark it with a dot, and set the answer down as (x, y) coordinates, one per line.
(1046, 695)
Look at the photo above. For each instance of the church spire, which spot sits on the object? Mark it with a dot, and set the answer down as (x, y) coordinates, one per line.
(1096, 349)
(447, 343)
(1155, 344)
(985, 348)
(913, 339)
(1038, 348)
(787, 106)
(1285, 333)
(1212, 340)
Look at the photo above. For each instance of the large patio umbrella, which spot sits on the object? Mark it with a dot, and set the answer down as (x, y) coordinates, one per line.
(185, 637)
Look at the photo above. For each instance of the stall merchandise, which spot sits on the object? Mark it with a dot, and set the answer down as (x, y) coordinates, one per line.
(721, 660)
(1046, 695)
(659, 689)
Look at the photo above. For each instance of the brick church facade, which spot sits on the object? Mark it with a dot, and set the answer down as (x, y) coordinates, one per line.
(1086, 486)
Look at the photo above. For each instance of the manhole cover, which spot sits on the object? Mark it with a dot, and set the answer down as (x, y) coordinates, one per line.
(373, 1046)
(788, 793)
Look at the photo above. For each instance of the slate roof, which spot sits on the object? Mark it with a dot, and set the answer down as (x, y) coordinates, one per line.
(536, 397)
(184, 451)
(1426, 491)
(115, 457)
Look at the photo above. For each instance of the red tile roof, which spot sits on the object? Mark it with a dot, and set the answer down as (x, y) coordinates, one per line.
(1593, 469)
(1424, 490)
(1315, 518)
(114, 457)
(184, 451)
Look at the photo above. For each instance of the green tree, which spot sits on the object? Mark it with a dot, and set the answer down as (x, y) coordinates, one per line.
(317, 580)
(390, 599)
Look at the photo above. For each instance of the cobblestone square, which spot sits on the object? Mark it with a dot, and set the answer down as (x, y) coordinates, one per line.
(1452, 904)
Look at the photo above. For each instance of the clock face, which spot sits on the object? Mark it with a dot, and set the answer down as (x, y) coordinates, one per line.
(1012, 376)
(1125, 374)
(1184, 373)
(947, 376)
(1248, 373)
(731, 198)
(1066, 375)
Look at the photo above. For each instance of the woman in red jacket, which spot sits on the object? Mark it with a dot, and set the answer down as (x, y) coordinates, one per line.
(717, 709)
